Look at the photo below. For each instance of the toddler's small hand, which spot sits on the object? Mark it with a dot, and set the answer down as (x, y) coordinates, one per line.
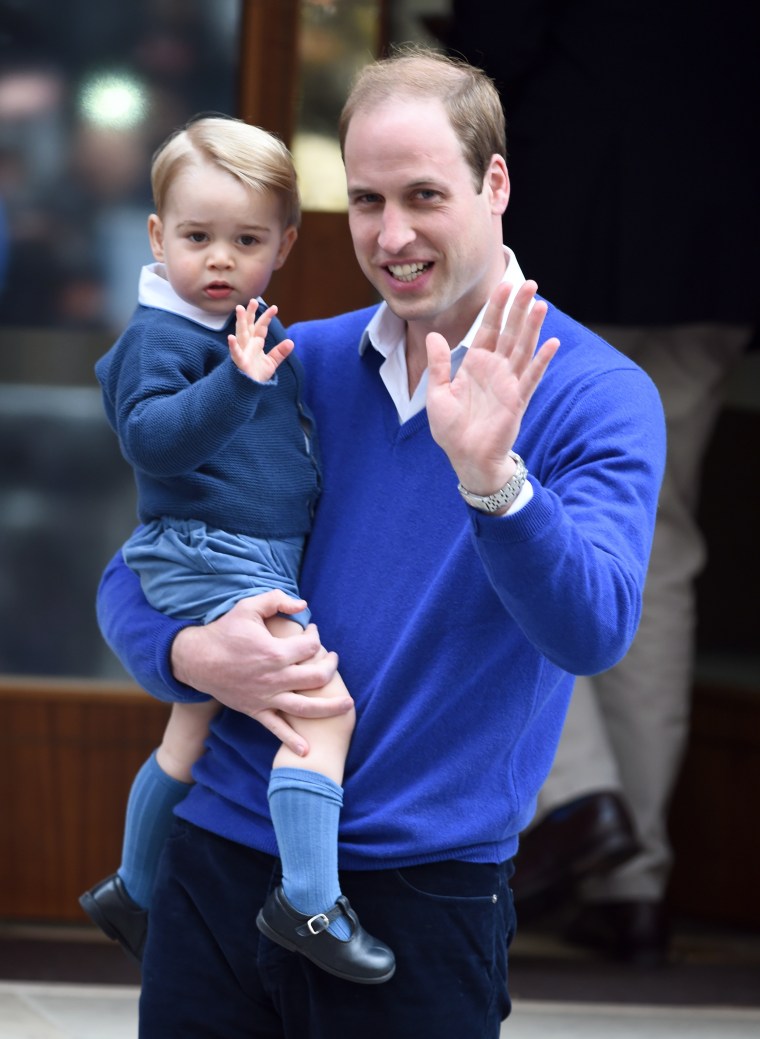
(247, 344)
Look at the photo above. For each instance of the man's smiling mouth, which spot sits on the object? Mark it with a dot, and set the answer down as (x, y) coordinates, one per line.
(407, 271)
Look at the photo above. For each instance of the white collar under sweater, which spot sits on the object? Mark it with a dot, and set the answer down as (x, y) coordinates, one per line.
(386, 333)
(155, 291)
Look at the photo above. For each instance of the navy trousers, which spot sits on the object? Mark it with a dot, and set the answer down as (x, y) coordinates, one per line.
(208, 972)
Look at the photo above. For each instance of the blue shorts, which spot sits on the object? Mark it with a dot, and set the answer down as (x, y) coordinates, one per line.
(196, 572)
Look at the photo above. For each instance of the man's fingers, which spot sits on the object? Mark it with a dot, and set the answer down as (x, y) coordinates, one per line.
(299, 705)
(525, 316)
(284, 732)
(438, 359)
(488, 335)
(493, 317)
(304, 673)
(540, 363)
(524, 337)
(267, 604)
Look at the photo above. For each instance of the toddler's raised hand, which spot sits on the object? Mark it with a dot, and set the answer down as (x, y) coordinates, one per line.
(247, 344)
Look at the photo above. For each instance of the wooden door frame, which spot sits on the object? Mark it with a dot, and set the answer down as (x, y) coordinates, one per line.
(321, 277)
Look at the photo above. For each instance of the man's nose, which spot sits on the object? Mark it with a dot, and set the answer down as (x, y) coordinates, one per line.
(396, 230)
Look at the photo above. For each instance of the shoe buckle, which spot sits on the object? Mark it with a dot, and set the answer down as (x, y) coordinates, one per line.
(318, 923)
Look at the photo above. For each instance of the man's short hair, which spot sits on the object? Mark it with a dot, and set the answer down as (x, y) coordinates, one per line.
(468, 95)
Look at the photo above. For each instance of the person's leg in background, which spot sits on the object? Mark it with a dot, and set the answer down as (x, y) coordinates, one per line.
(580, 810)
(643, 703)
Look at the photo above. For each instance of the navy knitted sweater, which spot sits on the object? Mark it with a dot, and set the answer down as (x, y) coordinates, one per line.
(204, 440)
(458, 633)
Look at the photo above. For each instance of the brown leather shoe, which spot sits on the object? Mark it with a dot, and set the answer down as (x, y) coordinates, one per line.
(591, 835)
(634, 932)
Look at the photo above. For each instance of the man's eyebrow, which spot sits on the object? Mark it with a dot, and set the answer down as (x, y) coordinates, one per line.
(413, 185)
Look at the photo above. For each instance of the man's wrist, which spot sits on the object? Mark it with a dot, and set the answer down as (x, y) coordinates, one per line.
(180, 657)
(500, 500)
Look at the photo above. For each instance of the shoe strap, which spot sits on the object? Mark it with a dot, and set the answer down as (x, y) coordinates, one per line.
(321, 921)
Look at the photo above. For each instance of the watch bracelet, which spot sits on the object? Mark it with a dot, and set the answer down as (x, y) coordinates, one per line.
(504, 496)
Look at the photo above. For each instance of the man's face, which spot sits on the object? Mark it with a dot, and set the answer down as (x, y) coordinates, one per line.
(427, 240)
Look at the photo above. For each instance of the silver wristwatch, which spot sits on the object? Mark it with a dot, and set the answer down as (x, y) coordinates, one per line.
(499, 499)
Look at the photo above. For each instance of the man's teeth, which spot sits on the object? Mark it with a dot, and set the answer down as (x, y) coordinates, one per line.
(407, 271)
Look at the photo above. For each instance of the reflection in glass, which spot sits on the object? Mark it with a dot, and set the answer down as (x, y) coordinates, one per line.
(88, 89)
(336, 39)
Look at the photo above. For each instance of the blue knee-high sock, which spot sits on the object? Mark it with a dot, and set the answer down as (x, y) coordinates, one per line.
(305, 809)
(149, 817)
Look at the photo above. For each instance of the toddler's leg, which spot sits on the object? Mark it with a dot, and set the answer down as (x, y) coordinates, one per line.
(185, 737)
(329, 738)
(162, 782)
(305, 799)
(119, 904)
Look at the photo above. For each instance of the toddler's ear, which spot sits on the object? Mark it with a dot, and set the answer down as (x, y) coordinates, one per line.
(289, 236)
(156, 236)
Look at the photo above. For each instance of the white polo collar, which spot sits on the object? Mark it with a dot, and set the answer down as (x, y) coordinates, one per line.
(155, 291)
(386, 332)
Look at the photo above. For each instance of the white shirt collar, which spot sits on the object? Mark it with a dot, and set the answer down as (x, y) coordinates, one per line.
(386, 333)
(155, 291)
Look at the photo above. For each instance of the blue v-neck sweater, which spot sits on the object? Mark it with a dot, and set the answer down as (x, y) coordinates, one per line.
(458, 633)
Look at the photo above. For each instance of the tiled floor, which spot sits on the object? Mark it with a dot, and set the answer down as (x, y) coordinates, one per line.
(35, 1011)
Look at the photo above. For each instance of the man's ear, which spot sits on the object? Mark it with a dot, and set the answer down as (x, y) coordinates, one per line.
(497, 182)
(156, 236)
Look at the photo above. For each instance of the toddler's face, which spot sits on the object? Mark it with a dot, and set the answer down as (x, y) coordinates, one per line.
(219, 239)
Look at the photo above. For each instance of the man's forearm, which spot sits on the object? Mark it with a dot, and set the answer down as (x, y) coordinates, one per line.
(140, 636)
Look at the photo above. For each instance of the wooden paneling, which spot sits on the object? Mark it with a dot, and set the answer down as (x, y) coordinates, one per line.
(68, 753)
(713, 819)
